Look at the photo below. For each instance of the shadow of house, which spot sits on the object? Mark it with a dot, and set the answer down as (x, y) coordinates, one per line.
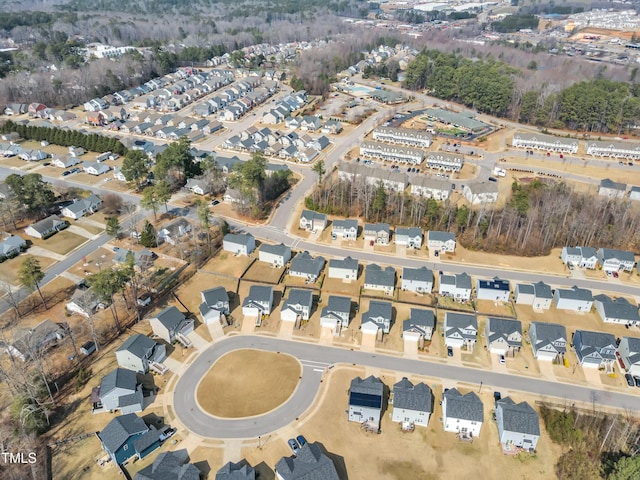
(338, 462)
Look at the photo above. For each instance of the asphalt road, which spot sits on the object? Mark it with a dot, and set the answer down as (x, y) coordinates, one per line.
(315, 358)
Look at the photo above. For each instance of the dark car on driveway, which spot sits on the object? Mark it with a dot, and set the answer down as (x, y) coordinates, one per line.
(301, 440)
(630, 381)
(637, 380)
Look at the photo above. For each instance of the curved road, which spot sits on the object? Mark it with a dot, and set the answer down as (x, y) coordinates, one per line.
(315, 358)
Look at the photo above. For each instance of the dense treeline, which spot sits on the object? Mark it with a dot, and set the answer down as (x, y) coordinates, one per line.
(536, 218)
(514, 23)
(9, 20)
(66, 138)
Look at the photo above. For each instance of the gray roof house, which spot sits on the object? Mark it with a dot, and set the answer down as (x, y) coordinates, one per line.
(518, 425)
(139, 353)
(410, 237)
(548, 340)
(310, 220)
(309, 464)
(376, 278)
(12, 246)
(259, 302)
(346, 269)
(610, 189)
(40, 338)
(305, 266)
(574, 298)
(583, 257)
(620, 310)
(336, 314)
(297, 306)
(84, 301)
(215, 303)
(412, 404)
(239, 243)
(236, 471)
(595, 349)
(614, 260)
(46, 228)
(170, 466)
(173, 231)
(379, 317)
(95, 168)
(538, 295)
(376, 233)
(141, 258)
(629, 350)
(419, 280)
(503, 335)
(441, 241)
(82, 207)
(462, 414)
(128, 436)
(119, 390)
(170, 324)
(418, 327)
(277, 255)
(495, 290)
(199, 186)
(366, 400)
(344, 229)
(457, 286)
(460, 330)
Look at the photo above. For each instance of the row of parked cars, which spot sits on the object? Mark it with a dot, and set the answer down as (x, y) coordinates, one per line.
(631, 380)
(71, 172)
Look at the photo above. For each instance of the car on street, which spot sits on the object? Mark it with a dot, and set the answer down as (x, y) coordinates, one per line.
(493, 179)
(449, 352)
(301, 441)
(502, 360)
(620, 162)
(65, 173)
(293, 445)
(630, 164)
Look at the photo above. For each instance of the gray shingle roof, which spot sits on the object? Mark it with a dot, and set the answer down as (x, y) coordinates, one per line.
(170, 466)
(118, 378)
(525, 288)
(434, 235)
(622, 255)
(309, 464)
(280, 250)
(214, 295)
(375, 275)
(376, 227)
(502, 328)
(454, 320)
(519, 418)
(236, 471)
(337, 303)
(347, 263)
(575, 293)
(238, 238)
(311, 215)
(378, 310)
(259, 293)
(542, 290)
(465, 407)
(422, 274)
(347, 224)
(619, 308)
(608, 183)
(408, 396)
(587, 343)
(543, 333)
(306, 264)
(420, 320)
(46, 224)
(298, 296)
(409, 232)
(118, 430)
(139, 345)
(369, 386)
(170, 317)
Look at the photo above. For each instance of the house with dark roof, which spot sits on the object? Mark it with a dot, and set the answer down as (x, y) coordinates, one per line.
(457, 286)
(346, 269)
(412, 404)
(297, 306)
(118, 390)
(276, 255)
(378, 318)
(82, 207)
(139, 353)
(503, 335)
(410, 237)
(365, 400)
(538, 295)
(170, 466)
(460, 330)
(462, 414)
(377, 278)
(259, 302)
(236, 471)
(336, 314)
(128, 436)
(309, 464)
(312, 221)
(47, 227)
(495, 290)
(610, 189)
(172, 232)
(305, 266)
(595, 349)
(615, 260)
(619, 310)
(344, 229)
(84, 301)
(141, 258)
(629, 351)
(418, 328)
(170, 324)
(419, 280)
(548, 340)
(376, 233)
(574, 298)
(441, 241)
(583, 257)
(518, 425)
(215, 304)
(239, 243)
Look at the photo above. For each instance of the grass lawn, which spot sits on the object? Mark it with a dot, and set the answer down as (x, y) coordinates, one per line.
(62, 242)
(245, 382)
(9, 268)
(225, 263)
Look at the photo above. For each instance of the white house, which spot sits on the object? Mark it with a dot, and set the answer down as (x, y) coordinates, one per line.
(518, 425)
(548, 340)
(462, 414)
(335, 315)
(496, 290)
(215, 304)
(305, 266)
(547, 143)
(346, 270)
(65, 161)
(199, 186)
(313, 221)
(365, 400)
(441, 241)
(448, 162)
(391, 153)
(460, 330)
(430, 187)
(482, 192)
(46, 227)
(259, 302)
(610, 189)
(620, 310)
(239, 243)
(418, 329)
(377, 233)
(276, 255)
(377, 278)
(456, 286)
(95, 168)
(411, 237)
(412, 404)
(170, 324)
(615, 260)
(297, 306)
(574, 298)
(595, 349)
(403, 136)
(379, 317)
(344, 229)
(537, 295)
(629, 351)
(419, 280)
(82, 207)
(503, 335)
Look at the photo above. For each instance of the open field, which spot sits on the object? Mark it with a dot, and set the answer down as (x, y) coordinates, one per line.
(62, 242)
(548, 264)
(248, 383)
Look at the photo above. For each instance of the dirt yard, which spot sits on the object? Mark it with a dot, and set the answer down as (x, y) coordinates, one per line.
(245, 382)
(226, 263)
(549, 264)
(9, 268)
(263, 272)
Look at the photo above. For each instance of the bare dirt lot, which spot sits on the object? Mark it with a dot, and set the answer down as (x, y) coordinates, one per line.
(263, 272)
(245, 383)
(226, 263)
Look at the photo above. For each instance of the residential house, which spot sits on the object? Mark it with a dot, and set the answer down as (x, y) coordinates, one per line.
(344, 229)
(610, 189)
(332, 126)
(346, 269)
(239, 243)
(628, 151)
(402, 136)
(173, 231)
(313, 221)
(418, 329)
(496, 290)
(377, 233)
(460, 330)
(595, 349)
(583, 257)
(518, 425)
(462, 414)
(236, 471)
(12, 246)
(305, 266)
(391, 153)
(412, 404)
(215, 304)
(142, 259)
(574, 298)
(629, 352)
(95, 168)
(419, 280)
(170, 324)
(410, 237)
(377, 278)
(308, 464)
(448, 162)
(619, 310)
(366, 400)
(480, 193)
(297, 306)
(82, 207)
(258, 302)
(615, 260)
(441, 241)
(40, 338)
(503, 335)
(76, 151)
(457, 286)
(548, 340)
(32, 155)
(140, 353)
(547, 143)
(276, 255)
(538, 295)
(378, 318)
(128, 436)
(45, 228)
(65, 161)
(84, 301)
(335, 315)
(170, 466)
(356, 172)
(428, 187)
(118, 390)
(199, 186)
(634, 193)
